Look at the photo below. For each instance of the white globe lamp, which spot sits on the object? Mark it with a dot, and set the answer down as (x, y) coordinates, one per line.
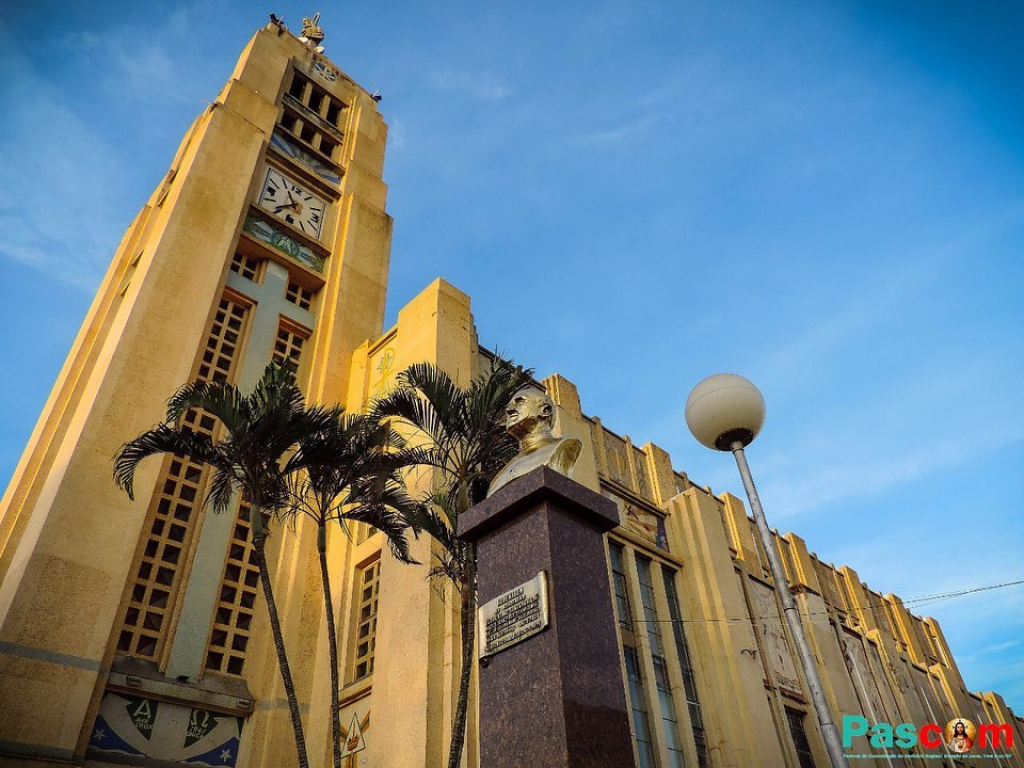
(725, 409)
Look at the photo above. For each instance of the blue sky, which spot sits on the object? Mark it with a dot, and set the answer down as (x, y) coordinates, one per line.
(827, 198)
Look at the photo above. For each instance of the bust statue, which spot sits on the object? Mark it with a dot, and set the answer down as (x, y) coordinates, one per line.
(528, 419)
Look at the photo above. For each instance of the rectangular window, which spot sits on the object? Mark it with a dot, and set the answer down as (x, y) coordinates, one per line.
(290, 123)
(670, 721)
(327, 147)
(643, 567)
(314, 131)
(621, 591)
(796, 730)
(683, 652)
(334, 114)
(232, 619)
(233, 614)
(288, 345)
(365, 630)
(634, 675)
(301, 297)
(246, 266)
(316, 100)
(641, 725)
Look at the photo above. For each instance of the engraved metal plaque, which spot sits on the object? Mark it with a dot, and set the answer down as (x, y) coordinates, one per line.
(514, 616)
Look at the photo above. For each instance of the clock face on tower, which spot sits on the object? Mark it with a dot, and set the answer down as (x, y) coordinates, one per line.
(292, 202)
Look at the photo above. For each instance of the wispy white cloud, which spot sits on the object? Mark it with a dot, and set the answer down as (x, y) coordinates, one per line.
(398, 135)
(478, 85)
(611, 122)
(144, 61)
(990, 650)
(919, 415)
(64, 221)
(621, 131)
(72, 202)
(891, 444)
(870, 473)
(907, 277)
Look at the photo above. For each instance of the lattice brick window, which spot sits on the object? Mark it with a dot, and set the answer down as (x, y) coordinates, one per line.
(232, 619)
(246, 266)
(368, 584)
(299, 296)
(222, 343)
(233, 616)
(288, 345)
(171, 520)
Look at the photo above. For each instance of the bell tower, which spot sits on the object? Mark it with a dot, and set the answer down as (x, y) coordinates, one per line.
(130, 630)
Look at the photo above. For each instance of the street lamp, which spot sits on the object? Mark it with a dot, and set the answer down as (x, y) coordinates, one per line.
(725, 412)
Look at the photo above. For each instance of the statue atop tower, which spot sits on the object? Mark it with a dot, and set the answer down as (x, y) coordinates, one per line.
(312, 33)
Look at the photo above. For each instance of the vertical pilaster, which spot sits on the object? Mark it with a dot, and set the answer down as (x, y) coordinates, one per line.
(740, 533)
(659, 469)
(411, 686)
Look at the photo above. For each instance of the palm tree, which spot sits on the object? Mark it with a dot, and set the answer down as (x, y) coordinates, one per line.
(351, 472)
(252, 458)
(464, 436)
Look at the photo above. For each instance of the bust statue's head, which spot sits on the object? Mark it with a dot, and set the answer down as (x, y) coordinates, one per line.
(530, 411)
(528, 418)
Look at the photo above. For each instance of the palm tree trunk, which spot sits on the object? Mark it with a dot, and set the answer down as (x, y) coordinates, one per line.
(258, 540)
(332, 644)
(468, 642)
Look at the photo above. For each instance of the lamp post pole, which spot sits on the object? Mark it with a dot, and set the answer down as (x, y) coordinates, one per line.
(829, 731)
(725, 412)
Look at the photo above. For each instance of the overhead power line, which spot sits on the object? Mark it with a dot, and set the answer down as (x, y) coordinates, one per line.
(922, 600)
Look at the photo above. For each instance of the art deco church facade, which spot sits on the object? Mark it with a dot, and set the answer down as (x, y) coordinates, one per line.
(133, 633)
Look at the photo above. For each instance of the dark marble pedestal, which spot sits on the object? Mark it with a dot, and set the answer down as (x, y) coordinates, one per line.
(554, 700)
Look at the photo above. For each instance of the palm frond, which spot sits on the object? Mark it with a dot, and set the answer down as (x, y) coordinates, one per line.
(163, 438)
(220, 399)
(437, 387)
(408, 406)
(222, 489)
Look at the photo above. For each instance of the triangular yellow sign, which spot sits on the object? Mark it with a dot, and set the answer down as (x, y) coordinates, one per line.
(354, 741)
